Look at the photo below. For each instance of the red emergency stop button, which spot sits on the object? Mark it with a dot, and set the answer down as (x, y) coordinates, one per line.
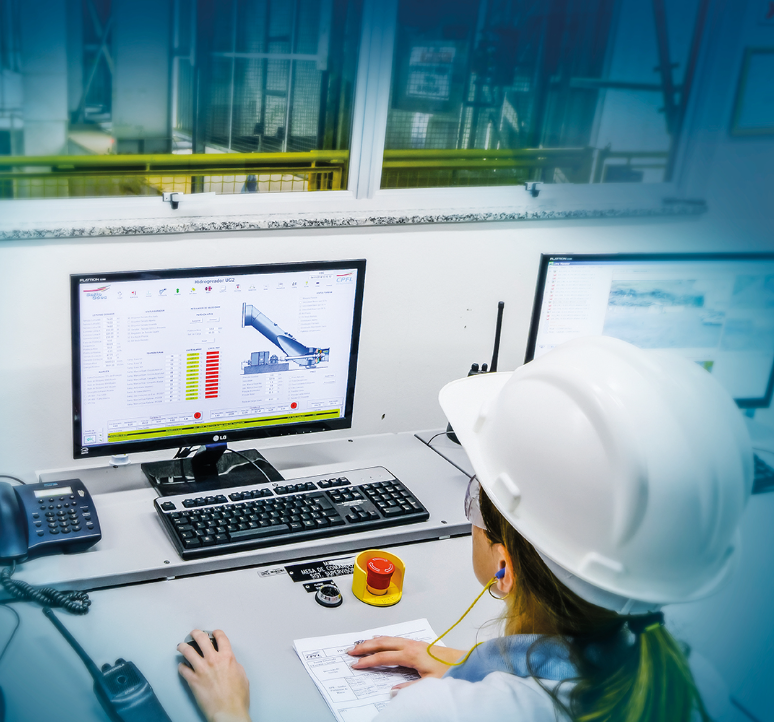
(379, 573)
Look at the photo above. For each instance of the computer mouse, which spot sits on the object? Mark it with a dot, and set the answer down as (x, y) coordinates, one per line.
(190, 640)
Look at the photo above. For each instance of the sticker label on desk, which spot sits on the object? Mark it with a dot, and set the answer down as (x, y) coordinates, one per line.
(273, 572)
(314, 586)
(314, 571)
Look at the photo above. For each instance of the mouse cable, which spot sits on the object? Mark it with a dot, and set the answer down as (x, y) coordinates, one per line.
(184, 452)
(73, 601)
(247, 458)
(13, 633)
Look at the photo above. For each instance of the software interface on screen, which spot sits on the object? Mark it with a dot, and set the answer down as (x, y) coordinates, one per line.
(717, 312)
(168, 357)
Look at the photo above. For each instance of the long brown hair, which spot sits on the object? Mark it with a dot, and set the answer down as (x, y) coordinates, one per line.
(645, 676)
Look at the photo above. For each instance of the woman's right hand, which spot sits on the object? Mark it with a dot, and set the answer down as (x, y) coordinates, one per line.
(217, 680)
(401, 652)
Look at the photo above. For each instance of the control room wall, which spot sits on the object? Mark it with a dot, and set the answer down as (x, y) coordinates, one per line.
(429, 309)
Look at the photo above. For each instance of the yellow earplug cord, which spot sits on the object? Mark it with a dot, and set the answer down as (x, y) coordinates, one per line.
(489, 584)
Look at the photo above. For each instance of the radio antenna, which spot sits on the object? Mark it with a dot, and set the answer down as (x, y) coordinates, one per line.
(498, 329)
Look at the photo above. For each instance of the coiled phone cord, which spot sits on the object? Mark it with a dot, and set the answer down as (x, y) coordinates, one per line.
(73, 601)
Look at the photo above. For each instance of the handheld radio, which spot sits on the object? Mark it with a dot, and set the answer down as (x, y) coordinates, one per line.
(122, 689)
(474, 369)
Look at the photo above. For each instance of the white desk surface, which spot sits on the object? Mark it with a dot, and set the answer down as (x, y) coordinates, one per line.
(143, 622)
(43, 679)
(135, 546)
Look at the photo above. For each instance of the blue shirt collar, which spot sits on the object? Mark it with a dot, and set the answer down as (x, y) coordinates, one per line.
(549, 659)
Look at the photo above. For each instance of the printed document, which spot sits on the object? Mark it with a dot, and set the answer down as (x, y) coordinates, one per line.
(357, 695)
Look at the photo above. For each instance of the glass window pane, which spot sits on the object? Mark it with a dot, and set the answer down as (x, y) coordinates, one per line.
(499, 92)
(138, 97)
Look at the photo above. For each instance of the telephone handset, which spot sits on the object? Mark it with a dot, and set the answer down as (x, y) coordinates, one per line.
(48, 518)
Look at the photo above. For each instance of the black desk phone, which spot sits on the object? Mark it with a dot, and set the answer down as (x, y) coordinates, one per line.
(48, 518)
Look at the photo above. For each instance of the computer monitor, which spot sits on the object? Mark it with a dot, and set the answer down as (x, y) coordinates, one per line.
(202, 356)
(715, 309)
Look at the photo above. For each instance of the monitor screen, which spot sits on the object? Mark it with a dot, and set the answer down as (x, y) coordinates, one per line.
(717, 310)
(170, 358)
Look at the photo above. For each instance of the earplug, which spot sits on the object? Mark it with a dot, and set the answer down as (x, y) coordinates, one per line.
(500, 573)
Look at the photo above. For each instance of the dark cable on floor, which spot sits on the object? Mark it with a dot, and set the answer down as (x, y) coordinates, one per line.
(73, 601)
(15, 629)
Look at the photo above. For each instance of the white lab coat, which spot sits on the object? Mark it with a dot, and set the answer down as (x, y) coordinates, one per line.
(503, 696)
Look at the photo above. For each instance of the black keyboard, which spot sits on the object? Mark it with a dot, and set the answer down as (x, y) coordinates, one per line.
(271, 514)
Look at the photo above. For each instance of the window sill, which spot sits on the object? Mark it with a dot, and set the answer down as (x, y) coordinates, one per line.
(71, 218)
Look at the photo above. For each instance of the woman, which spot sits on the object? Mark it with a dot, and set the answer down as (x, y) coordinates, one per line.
(612, 481)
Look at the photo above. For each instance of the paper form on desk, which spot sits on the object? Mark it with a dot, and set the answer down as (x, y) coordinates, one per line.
(357, 695)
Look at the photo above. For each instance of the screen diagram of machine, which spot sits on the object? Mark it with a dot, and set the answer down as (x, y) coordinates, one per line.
(261, 362)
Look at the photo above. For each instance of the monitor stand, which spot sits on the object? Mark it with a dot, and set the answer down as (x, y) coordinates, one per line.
(212, 467)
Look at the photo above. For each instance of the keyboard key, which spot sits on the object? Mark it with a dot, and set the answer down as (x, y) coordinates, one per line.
(258, 533)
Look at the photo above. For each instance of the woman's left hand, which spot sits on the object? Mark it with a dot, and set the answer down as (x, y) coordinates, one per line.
(401, 652)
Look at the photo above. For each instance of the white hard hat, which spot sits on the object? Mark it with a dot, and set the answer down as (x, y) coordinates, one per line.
(628, 469)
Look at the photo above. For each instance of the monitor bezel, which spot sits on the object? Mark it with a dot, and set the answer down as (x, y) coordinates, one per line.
(529, 354)
(263, 432)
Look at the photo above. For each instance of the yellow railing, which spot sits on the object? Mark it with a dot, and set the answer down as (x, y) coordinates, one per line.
(119, 175)
(453, 168)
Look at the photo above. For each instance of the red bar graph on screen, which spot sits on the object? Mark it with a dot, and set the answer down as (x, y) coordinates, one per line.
(211, 374)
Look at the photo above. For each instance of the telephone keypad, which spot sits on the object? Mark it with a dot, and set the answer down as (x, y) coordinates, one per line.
(65, 520)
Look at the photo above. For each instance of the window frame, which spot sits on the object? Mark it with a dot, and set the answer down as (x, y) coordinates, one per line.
(364, 201)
